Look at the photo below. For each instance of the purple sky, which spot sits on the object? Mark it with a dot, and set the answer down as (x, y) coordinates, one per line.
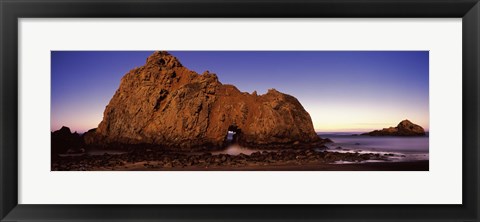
(344, 91)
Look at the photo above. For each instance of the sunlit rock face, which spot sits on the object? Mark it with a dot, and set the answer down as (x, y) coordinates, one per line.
(163, 103)
(404, 128)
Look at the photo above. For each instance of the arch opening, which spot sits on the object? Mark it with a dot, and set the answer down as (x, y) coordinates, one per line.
(233, 134)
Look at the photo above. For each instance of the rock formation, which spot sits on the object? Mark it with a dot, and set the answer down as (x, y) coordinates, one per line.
(64, 141)
(163, 103)
(404, 128)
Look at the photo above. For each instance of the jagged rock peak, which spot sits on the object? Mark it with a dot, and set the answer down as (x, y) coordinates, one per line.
(64, 129)
(163, 59)
(405, 123)
(272, 91)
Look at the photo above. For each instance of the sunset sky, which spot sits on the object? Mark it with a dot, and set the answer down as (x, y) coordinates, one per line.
(344, 91)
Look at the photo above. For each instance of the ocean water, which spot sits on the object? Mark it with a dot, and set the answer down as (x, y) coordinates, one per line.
(403, 148)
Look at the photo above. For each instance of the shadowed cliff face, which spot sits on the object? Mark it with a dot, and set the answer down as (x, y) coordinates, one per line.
(166, 104)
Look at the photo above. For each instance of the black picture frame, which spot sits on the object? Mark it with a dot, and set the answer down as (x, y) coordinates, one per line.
(11, 11)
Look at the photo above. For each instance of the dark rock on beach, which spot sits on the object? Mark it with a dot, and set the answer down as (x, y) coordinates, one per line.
(64, 141)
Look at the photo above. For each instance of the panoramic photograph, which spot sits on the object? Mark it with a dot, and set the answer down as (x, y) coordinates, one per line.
(239, 110)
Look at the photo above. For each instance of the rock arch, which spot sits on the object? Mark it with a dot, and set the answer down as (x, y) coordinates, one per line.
(196, 112)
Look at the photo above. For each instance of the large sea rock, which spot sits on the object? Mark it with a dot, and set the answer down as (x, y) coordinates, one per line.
(163, 103)
(404, 128)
